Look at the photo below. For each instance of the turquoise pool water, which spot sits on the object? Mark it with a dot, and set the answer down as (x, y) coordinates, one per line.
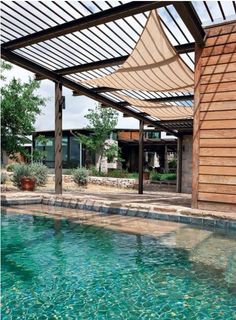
(64, 270)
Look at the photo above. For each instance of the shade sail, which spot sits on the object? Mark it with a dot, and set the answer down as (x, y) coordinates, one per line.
(162, 111)
(152, 66)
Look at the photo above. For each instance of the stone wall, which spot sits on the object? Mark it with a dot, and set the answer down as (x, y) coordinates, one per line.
(105, 181)
(187, 164)
(113, 182)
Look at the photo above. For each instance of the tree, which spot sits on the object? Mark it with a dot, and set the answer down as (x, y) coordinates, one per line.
(20, 105)
(102, 121)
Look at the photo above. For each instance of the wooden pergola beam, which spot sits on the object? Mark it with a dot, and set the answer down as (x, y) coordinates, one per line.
(189, 16)
(86, 22)
(182, 48)
(172, 99)
(97, 90)
(35, 68)
(88, 66)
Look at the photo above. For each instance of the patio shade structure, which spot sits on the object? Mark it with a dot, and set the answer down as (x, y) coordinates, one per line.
(73, 43)
(153, 65)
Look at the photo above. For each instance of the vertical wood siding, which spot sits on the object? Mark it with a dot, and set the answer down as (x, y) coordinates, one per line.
(214, 145)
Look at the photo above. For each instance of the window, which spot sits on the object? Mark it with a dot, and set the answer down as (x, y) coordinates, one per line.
(64, 148)
(152, 135)
(75, 150)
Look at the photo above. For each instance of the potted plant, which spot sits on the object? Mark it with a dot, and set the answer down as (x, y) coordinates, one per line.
(23, 177)
(146, 174)
(146, 171)
(27, 183)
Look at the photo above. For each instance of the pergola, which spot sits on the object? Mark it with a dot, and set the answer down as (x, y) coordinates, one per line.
(73, 43)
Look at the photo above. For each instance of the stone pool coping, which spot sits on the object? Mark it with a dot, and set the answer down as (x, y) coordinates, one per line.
(212, 219)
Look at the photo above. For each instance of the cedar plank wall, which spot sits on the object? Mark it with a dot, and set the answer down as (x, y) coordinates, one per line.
(214, 146)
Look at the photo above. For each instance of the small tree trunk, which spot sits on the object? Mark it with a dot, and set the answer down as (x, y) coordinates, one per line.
(4, 157)
(98, 161)
(99, 156)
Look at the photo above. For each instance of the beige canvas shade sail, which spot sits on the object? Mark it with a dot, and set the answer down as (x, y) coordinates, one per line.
(162, 111)
(153, 65)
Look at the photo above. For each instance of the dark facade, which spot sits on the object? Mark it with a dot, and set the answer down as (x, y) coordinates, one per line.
(74, 154)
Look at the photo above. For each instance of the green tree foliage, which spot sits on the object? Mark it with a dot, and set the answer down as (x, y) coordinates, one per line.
(20, 105)
(102, 121)
(40, 155)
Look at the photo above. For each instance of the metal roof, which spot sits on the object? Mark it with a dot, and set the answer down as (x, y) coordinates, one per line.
(71, 41)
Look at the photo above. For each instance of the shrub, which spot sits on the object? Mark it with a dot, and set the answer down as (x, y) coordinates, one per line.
(68, 171)
(94, 172)
(168, 176)
(172, 164)
(117, 173)
(37, 171)
(155, 176)
(80, 176)
(20, 171)
(10, 167)
(3, 177)
(40, 173)
(133, 175)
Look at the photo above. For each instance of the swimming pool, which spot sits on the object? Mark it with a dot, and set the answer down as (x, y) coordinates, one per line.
(60, 269)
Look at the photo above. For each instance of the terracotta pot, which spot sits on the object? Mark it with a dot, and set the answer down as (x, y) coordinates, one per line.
(27, 184)
(146, 175)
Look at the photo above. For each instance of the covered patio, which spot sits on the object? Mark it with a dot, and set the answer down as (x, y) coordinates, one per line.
(167, 64)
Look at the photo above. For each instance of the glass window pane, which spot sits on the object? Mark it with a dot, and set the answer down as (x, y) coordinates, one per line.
(74, 150)
(64, 148)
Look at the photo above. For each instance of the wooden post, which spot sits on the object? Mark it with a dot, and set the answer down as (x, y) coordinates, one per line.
(140, 158)
(58, 138)
(179, 164)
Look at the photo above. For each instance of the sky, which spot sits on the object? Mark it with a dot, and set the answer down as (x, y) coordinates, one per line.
(76, 107)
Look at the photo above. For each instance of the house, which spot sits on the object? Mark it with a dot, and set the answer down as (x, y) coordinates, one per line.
(158, 148)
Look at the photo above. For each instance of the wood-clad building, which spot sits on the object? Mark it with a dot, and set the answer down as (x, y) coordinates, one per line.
(214, 139)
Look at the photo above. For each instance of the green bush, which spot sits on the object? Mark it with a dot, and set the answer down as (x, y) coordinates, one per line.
(172, 164)
(133, 175)
(10, 167)
(94, 172)
(117, 173)
(40, 173)
(37, 171)
(3, 177)
(155, 176)
(80, 176)
(20, 171)
(168, 176)
(68, 171)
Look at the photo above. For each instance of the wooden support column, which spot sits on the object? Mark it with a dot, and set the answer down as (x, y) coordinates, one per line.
(140, 158)
(179, 164)
(58, 138)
